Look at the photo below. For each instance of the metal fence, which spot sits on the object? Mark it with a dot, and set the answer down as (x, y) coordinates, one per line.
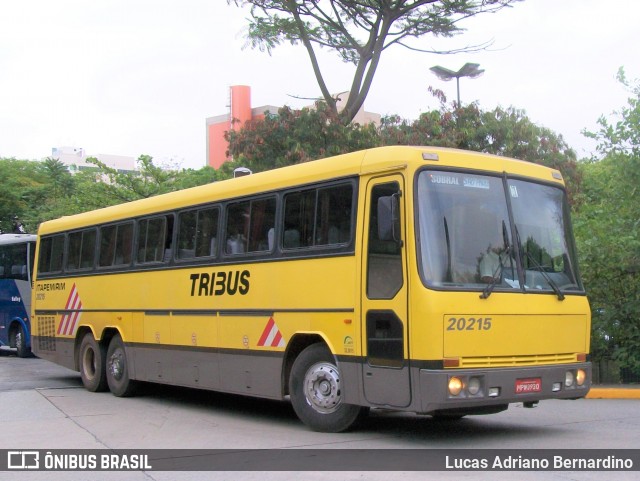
(608, 371)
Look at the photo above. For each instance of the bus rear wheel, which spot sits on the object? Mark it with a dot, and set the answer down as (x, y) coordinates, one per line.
(92, 361)
(118, 369)
(316, 392)
(20, 342)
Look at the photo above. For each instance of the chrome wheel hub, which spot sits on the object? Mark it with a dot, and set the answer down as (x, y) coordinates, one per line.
(322, 387)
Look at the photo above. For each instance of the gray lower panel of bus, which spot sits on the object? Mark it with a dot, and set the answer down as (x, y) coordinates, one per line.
(58, 350)
(232, 372)
(260, 374)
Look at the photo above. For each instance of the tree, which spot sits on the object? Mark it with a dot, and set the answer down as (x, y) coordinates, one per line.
(292, 137)
(38, 191)
(358, 31)
(295, 136)
(125, 186)
(507, 132)
(607, 229)
(23, 189)
(60, 179)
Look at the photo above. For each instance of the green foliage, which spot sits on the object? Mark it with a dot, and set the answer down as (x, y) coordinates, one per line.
(295, 136)
(358, 32)
(291, 137)
(506, 132)
(22, 186)
(147, 181)
(607, 226)
(38, 191)
(623, 136)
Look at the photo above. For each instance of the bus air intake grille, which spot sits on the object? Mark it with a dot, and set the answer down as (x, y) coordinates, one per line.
(507, 361)
(47, 330)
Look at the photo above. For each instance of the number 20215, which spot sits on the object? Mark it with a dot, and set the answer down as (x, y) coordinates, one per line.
(468, 324)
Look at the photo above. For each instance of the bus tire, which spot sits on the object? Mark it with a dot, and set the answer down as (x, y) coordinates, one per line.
(315, 387)
(92, 362)
(118, 369)
(20, 339)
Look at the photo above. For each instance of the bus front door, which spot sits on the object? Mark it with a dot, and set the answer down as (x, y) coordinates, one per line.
(386, 372)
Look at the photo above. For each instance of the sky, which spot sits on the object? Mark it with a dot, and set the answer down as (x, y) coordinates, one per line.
(133, 77)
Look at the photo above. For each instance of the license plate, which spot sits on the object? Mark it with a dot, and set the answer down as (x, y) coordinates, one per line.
(525, 386)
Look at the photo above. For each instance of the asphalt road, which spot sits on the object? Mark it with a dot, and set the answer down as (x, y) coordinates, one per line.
(44, 407)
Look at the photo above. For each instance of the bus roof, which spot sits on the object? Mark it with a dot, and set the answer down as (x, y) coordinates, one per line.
(361, 162)
(6, 239)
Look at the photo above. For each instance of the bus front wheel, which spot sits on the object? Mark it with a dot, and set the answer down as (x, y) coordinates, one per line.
(92, 360)
(118, 369)
(316, 392)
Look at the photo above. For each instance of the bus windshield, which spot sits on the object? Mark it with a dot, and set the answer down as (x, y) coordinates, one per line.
(479, 230)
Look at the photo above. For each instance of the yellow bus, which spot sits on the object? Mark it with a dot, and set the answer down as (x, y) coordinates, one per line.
(420, 279)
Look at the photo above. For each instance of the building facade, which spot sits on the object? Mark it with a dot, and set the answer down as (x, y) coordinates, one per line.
(75, 158)
(241, 111)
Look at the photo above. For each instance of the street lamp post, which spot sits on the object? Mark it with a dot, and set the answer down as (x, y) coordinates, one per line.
(470, 70)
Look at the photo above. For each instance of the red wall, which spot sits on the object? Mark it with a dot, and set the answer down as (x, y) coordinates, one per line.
(218, 146)
(240, 113)
(240, 104)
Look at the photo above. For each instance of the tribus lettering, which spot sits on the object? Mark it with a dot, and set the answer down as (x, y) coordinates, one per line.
(219, 283)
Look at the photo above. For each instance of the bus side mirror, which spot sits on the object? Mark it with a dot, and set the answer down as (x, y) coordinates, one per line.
(389, 218)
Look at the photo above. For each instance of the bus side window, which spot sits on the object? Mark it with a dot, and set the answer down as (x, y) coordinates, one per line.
(124, 244)
(263, 214)
(3, 261)
(237, 227)
(74, 244)
(207, 232)
(116, 244)
(198, 233)
(154, 239)
(333, 215)
(384, 261)
(17, 255)
(88, 250)
(81, 250)
(299, 216)
(51, 251)
(187, 228)
(248, 225)
(318, 217)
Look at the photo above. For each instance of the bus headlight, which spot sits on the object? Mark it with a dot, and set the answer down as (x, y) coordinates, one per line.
(581, 377)
(569, 378)
(474, 386)
(455, 386)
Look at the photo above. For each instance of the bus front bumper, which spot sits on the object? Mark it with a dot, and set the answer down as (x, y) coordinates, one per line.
(482, 389)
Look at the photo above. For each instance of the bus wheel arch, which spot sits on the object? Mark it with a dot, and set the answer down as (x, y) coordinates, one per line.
(315, 387)
(296, 345)
(18, 339)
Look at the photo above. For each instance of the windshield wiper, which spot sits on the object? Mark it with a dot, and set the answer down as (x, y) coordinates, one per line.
(546, 276)
(486, 292)
(449, 275)
(540, 269)
(497, 275)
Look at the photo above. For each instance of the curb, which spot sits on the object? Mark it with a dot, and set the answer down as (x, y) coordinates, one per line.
(613, 393)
